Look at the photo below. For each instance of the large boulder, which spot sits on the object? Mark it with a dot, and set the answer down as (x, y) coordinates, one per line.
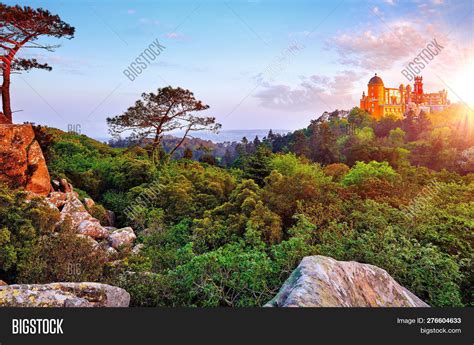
(22, 164)
(63, 295)
(320, 281)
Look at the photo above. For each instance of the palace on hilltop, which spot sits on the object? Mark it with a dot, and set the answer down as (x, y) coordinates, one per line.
(381, 101)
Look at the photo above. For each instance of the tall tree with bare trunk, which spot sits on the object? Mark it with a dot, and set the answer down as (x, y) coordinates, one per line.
(21, 27)
(170, 109)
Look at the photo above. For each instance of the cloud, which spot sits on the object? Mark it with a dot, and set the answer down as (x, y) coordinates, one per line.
(175, 36)
(313, 92)
(390, 2)
(374, 51)
(131, 11)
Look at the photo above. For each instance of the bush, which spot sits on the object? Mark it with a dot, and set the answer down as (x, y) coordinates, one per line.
(373, 170)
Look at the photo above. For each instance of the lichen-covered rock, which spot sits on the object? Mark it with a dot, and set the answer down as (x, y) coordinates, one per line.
(73, 204)
(22, 164)
(89, 203)
(138, 248)
(58, 199)
(111, 252)
(122, 238)
(320, 281)
(81, 220)
(90, 240)
(91, 227)
(63, 295)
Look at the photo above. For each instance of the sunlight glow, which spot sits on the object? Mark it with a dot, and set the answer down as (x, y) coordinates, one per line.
(462, 85)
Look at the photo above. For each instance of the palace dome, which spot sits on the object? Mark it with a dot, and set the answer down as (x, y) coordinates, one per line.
(376, 80)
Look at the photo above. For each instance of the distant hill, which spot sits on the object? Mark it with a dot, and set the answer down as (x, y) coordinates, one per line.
(224, 135)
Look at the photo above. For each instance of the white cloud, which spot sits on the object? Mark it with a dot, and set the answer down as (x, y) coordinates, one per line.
(313, 92)
(175, 36)
(381, 50)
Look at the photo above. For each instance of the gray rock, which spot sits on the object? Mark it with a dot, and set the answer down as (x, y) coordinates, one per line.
(81, 220)
(320, 281)
(110, 251)
(111, 219)
(138, 248)
(90, 240)
(63, 295)
(89, 203)
(58, 199)
(122, 238)
(92, 228)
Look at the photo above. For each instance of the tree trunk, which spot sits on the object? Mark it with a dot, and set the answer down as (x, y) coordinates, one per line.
(180, 142)
(156, 141)
(7, 111)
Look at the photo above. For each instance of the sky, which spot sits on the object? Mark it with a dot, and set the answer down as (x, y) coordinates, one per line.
(258, 64)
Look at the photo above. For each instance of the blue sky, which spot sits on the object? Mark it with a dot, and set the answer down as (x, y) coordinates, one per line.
(257, 63)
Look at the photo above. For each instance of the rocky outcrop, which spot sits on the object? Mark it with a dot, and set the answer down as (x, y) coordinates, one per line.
(75, 213)
(320, 281)
(57, 199)
(22, 164)
(91, 227)
(63, 295)
(89, 203)
(122, 238)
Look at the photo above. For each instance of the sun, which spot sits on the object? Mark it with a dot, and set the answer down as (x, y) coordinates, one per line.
(462, 84)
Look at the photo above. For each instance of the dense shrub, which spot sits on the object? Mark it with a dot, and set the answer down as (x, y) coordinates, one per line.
(32, 250)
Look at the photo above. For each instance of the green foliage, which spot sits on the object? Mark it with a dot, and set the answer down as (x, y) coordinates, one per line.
(99, 212)
(373, 170)
(257, 166)
(231, 276)
(32, 250)
(365, 134)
